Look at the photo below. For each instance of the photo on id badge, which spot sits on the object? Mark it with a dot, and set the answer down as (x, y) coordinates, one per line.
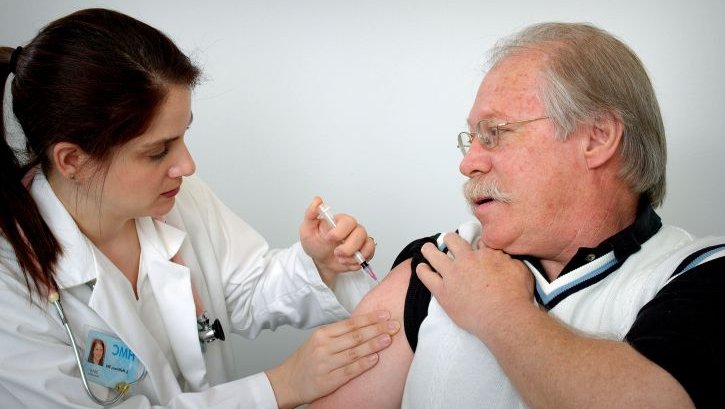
(109, 361)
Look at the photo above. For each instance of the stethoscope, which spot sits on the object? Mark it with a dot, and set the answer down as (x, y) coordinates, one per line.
(208, 332)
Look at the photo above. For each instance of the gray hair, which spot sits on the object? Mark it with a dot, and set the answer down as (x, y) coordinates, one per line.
(589, 72)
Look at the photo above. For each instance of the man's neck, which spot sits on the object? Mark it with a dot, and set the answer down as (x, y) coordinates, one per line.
(597, 225)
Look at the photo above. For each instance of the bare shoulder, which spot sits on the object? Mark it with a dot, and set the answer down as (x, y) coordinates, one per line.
(381, 386)
(389, 294)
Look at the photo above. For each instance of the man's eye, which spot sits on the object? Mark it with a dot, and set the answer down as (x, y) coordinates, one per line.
(494, 131)
(502, 129)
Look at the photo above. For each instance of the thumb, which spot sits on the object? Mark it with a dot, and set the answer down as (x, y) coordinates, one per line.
(310, 223)
(432, 280)
(313, 210)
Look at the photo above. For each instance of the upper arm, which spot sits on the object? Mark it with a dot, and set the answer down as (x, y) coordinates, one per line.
(381, 386)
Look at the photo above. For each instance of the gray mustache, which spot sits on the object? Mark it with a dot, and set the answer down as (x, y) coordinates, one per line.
(476, 188)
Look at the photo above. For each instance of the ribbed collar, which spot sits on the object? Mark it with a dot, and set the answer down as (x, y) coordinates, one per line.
(624, 244)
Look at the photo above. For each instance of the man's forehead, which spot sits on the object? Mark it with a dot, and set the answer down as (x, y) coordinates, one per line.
(518, 74)
(509, 90)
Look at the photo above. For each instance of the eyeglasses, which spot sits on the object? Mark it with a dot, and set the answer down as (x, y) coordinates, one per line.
(489, 133)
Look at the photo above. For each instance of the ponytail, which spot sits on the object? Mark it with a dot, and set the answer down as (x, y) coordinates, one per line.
(36, 249)
(94, 78)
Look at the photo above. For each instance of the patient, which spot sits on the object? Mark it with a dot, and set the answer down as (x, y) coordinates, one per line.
(568, 291)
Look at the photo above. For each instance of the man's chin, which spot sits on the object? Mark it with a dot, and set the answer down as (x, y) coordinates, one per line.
(493, 240)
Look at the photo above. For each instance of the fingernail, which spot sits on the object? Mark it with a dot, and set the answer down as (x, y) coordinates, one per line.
(373, 357)
(384, 339)
(383, 315)
(393, 326)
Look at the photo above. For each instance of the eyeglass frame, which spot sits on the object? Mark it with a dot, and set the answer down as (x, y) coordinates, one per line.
(492, 132)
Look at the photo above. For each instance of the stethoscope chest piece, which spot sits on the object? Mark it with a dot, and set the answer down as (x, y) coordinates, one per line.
(209, 332)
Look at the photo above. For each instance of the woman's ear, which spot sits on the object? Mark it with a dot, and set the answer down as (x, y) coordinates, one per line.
(68, 159)
(603, 139)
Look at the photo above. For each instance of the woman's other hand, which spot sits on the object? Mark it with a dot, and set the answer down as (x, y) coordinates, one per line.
(333, 355)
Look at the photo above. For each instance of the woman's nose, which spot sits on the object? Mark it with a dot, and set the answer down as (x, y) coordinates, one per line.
(185, 165)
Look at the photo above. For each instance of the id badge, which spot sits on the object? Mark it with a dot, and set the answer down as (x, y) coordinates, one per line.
(109, 361)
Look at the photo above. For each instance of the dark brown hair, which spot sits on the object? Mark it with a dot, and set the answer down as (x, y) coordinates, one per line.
(94, 78)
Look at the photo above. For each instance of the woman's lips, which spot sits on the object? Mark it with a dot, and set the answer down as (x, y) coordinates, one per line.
(171, 193)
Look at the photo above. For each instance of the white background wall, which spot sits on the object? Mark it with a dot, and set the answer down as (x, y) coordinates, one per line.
(360, 102)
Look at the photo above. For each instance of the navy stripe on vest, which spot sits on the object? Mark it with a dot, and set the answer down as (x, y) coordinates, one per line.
(696, 258)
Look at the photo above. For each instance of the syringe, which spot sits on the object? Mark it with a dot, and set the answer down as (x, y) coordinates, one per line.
(325, 213)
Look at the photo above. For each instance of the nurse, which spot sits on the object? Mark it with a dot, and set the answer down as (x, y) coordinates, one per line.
(103, 210)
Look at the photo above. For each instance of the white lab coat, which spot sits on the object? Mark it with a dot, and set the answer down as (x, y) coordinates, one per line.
(238, 278)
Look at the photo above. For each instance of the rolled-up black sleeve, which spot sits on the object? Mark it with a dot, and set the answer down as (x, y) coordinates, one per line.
(683, 330)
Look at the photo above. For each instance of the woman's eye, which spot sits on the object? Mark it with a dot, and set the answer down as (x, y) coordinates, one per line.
(160, 155)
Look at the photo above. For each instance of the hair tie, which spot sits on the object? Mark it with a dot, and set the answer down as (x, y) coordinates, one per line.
(12, 65)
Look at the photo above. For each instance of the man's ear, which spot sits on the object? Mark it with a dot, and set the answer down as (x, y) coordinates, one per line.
(603, 138)
(68, 159)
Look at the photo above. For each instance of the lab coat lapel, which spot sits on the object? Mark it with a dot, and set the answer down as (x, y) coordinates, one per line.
(171, 285)
(170, 282)
(112, 298)
(114, 301)
(76, 266)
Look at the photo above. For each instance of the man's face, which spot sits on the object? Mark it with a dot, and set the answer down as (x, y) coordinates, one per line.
(534, 169)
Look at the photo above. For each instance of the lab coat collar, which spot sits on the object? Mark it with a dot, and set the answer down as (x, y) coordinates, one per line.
(77, 264)
(165, 239)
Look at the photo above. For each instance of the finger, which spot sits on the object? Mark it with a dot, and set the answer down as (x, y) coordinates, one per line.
(345, 373)
(348, 263)
(356, 322)
(345, 225)
(365, 340)
(432, 280)
(369, 248)
(350, 355)
(435, 257)
(354, 242)
(481, 244)
(456, 244)
(313, 210)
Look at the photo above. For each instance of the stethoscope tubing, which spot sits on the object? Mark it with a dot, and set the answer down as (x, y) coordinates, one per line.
(207, 333)
(54, 298)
